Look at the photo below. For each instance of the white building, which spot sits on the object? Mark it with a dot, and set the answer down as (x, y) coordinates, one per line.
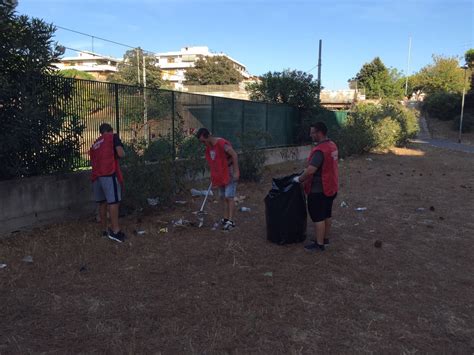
(175, 64)
(98, 65)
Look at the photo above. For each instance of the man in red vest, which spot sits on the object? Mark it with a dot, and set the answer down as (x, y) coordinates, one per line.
(320, 181)
(224, 166)
(107, 180)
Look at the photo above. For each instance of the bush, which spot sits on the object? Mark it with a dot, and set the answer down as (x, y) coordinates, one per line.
(357, 135)
(406, 118)
(386, 132)
(252, 159)
(159, 150)
(372, 126)
(467, 122)
(191, 154)
(442, 105)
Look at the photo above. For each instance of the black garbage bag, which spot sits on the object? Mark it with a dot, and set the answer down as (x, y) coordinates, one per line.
(285, 211)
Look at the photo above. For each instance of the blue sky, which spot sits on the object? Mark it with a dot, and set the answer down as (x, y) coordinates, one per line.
(272, 35)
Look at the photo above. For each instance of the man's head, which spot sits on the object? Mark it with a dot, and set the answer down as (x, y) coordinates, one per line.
(105, 128)
(318, 131)
(203, 135)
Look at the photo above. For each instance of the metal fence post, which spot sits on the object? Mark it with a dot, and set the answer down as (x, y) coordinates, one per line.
(212, 114)
(266, 117)
(173, 138)
(117, 115)
(243, 117)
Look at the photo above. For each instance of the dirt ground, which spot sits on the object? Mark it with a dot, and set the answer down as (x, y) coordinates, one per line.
(444, 130)
(201, 291)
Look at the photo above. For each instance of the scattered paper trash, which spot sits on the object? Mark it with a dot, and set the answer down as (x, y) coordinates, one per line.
(239, 199)
(420, 209)
(244, 209)
(360, 209)
(153, 201)
(215, 226)
(163, 230)
(195, 192)
(141, 232)
(28, 259)
(180, 202)
(369, 159)
(268, 274)
(180, 223)
(3, 266)
(344, 204)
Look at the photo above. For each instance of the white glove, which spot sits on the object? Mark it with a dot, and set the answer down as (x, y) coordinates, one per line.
(296, 179)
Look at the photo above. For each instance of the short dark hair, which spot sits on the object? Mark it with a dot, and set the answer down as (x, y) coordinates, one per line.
(203, 132)
(105, 127)
(320, 127)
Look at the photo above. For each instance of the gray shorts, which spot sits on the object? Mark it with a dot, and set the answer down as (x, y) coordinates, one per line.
(107, 189)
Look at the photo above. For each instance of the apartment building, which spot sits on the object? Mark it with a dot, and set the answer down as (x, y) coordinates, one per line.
(95, 64)
(175, 64)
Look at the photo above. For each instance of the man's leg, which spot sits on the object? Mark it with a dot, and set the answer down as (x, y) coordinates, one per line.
(327, 228)
(103, 215)
(320, 229)
(230, 207)
(114, 217)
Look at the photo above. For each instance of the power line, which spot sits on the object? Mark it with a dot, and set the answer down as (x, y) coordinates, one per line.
(102, 39)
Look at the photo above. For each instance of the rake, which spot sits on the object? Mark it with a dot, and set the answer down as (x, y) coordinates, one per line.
(200, 214)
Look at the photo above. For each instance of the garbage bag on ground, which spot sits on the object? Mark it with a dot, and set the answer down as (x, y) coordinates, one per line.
(285, 211)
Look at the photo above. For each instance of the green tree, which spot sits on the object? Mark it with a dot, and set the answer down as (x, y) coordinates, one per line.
(469, 57)
(76, 74)
(444, 74)
(37, 134)
(291, 87)
(218, 70)
(379, 81)
(127, 72)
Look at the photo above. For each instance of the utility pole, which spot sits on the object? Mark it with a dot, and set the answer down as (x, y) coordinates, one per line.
(408, 68)
(319, 68)
(138, 65)
(145, 107)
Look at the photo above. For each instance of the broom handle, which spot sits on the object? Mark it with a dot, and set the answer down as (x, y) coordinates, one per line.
(205, 198)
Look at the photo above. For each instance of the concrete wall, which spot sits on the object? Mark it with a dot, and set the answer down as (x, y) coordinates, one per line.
(34, 201)
(38, 200)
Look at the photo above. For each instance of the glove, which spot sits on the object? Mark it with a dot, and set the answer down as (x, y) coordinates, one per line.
(296, 179)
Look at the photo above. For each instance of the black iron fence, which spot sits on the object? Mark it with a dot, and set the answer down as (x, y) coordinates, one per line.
(142, 113)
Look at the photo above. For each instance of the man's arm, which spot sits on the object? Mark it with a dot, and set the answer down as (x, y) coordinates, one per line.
(120, 153)
(235, 161)
(313, 166)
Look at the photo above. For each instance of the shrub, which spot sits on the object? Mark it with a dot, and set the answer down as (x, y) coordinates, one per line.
(252, 159)
(406, 118)
(442, 105)
(376, 126)
(467, 122)
(159, 150)
(386, 132)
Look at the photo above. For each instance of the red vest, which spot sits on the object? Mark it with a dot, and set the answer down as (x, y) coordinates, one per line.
(217, 159)
(103, 160)
(329, 172)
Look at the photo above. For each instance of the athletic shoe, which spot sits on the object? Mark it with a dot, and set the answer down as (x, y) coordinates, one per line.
(118, 237)
(314, 247)
(228, 226)
(326, 242)
(223, 221)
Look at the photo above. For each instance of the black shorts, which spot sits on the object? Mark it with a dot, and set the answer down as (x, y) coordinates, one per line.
(320, 206)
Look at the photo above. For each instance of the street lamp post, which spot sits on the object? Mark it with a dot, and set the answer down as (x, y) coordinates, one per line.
(462, 104)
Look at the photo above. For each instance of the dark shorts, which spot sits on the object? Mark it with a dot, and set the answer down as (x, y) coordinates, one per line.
(320, 206)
